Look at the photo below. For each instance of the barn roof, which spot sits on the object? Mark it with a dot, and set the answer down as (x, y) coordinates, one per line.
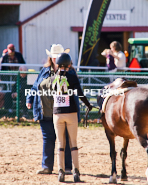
(39, 13)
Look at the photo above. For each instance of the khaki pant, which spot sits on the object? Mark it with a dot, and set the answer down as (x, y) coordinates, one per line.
(61, 121)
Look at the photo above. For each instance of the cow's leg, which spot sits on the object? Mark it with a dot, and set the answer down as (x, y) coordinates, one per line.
(123, 155)
(146, 173)
(144, 143)
(111, 138)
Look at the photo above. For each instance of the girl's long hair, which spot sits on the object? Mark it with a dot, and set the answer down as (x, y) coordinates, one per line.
(49, 62)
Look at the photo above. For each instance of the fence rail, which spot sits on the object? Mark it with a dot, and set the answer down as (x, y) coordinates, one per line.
(88, 80)
(79, 68)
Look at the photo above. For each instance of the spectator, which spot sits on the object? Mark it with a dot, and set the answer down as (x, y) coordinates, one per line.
(109, 60)
(7, 98)
(119, 56)
(12, 57)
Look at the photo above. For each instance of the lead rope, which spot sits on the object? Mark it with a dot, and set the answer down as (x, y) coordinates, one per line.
(85, 124)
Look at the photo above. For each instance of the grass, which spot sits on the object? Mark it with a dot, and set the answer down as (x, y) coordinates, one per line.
(15, 123)
(91, 125)
(36, 124)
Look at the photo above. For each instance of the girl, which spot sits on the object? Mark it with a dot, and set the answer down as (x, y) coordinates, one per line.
(65, 113)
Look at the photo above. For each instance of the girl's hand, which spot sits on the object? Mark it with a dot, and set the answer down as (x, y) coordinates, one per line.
(28, 105)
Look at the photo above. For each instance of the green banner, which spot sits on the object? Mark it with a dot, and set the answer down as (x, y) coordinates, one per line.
(91, 33)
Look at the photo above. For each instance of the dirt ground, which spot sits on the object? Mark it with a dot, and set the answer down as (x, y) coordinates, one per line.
(21, 153)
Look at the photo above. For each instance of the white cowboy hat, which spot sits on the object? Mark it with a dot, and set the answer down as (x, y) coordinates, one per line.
(55, 50)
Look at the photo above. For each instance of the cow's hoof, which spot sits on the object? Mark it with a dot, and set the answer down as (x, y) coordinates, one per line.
(146, 173)
(123, 178)
(113, 179)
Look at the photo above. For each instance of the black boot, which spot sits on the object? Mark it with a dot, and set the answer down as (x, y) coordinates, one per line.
(61, 177)
(76, 175)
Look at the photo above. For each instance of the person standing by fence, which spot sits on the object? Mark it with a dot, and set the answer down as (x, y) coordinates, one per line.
(119, 56)
(12, 57)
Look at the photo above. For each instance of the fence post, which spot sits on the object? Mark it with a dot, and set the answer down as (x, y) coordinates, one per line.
(18, 97)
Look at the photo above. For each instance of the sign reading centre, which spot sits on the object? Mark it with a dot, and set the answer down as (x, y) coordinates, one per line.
(117, 17)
